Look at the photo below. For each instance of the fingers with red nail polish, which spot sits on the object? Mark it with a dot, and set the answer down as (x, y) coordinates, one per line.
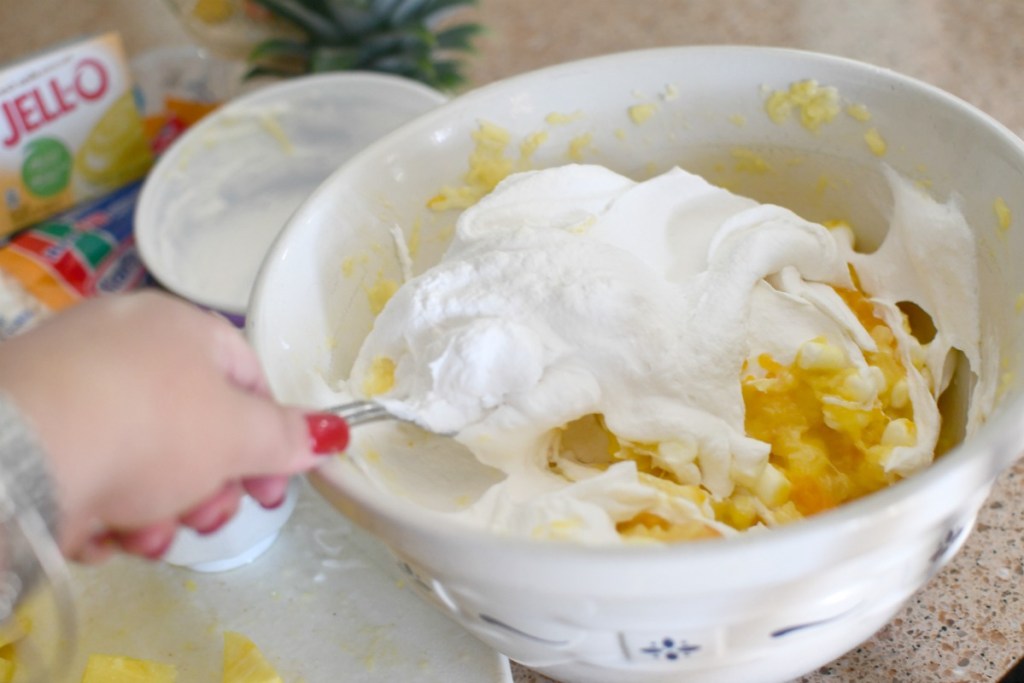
(97, 548)
(215, 511)
(269, 492)
(327, 433)
(150, 542)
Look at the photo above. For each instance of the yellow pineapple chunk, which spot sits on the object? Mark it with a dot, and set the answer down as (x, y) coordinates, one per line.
(8, 655)
(819, 355)
(14, 629)
(6, 669)
(244, 663)
(772, 487)
(109, 669)
(380, 377)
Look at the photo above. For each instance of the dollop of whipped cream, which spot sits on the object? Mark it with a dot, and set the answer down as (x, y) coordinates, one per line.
(576, 291)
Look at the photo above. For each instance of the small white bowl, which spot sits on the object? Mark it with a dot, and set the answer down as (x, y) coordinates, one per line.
(761, 607)
(248, 534)
(219, 196)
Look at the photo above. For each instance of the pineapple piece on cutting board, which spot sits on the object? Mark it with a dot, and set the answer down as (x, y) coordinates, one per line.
(110, 669)
(244, 663)
(7, 657)
(11, 631)
(6, 669)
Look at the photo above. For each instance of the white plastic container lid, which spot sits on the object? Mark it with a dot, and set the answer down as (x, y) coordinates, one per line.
(244, 538)
(217, 199)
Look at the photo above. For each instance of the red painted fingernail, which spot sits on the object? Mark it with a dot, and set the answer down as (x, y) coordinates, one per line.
(220, 520)
(105, 538)
(327, 433)
(157, 551)
(273, 505)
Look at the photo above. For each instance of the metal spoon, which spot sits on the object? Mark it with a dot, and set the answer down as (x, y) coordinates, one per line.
(364, 412)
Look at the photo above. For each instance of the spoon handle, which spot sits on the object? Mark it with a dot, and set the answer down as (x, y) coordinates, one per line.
(360, 412)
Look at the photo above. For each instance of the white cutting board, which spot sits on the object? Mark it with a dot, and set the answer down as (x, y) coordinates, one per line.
(325, 603)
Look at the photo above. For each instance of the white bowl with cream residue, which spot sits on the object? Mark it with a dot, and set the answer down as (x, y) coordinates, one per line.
(761, 607)
(219, 196)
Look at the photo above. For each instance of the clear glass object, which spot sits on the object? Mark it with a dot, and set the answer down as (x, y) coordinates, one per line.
(230, 28)
(41, 660)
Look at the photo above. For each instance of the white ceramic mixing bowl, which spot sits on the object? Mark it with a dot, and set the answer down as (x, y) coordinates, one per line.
(762, 607)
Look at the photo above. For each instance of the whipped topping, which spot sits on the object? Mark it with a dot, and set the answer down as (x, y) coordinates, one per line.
(576, 291)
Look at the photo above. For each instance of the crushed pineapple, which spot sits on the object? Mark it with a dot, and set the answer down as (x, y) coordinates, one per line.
(831, 427)
(378, 294)
(640, 113)
(109, 669)
(1003, 214)
(531, 144)
(876, 143)
(816, 104)
(749, 161)
(649, 526)
(244, 663)
(488, 166)
(859, 112)
(579, 145)
(348, 265)
(555, 530)
(380, 378)
(559, 119)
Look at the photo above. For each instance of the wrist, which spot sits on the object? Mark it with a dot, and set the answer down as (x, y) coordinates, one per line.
(28, 505)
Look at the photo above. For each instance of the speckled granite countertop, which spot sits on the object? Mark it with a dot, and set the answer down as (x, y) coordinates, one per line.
(968, 623)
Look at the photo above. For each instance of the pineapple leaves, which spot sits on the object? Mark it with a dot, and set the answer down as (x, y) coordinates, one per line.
(354, 18)
(383, 8)
(392, 36)
(424, 11)
(329, 58)
(447, 74)
(419, 70)
(279, 48)
(417, 43)
(304, 14)
(406, 11)
(271, 71)
(458, 37)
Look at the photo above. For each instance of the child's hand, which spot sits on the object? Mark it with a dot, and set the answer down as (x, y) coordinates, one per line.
(154, 413)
